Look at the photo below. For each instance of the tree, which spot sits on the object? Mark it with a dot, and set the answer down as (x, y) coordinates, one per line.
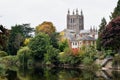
(116, 11)
(17, 36)
(39, 46)
(46, 27)
(101, 29)
(54, 39)
(111, 35)
(63, 45)
(23, 55)
(51, 57)
(3, 37)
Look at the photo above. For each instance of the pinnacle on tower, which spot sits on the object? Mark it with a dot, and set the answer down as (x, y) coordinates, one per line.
(91, 29)
(81, 12)
(68, 11)
(73, 12)
(77, 11)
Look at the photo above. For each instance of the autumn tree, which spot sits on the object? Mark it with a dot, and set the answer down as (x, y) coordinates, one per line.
(101, 29)
(49, 28)
(116, 11)
(111, 35)
(46, 27)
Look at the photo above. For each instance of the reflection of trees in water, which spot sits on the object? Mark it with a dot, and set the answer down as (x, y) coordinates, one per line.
(52, 74)
(116, 75)
(11, 75)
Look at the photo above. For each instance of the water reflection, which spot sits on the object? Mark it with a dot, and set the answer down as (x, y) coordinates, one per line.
(56, 74)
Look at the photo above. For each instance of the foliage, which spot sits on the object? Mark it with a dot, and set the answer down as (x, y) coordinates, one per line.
(63, 45)
(101, 29)
(116, 61)
(17, 35)
(23, 55)
(3, 37)
(39, 46)
(51, 55)
(116, 11)
(89, 55)
(102, 25)
(9, 60)
(111, 35)
(46, 27)
(3, 54)
(26, 41)
(87, 61)
(54, 39)
(67, 57)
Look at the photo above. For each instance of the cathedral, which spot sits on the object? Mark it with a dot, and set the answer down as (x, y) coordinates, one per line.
(75, 32)
(75, 21)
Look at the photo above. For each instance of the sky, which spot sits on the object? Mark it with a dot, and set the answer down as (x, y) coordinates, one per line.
(35, 12)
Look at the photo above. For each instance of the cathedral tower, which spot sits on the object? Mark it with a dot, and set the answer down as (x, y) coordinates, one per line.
(75, 21)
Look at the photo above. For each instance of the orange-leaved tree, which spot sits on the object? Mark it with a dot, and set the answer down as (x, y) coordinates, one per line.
(46, 27)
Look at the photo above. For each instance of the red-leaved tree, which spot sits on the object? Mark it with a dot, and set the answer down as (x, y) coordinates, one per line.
(111, 35)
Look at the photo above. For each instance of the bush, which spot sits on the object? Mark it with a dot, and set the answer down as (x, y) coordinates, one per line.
(116, 61)
(51, 56)
(9, 60)
(3, 54)
(70, 59)
(87, 61)
(23, 55)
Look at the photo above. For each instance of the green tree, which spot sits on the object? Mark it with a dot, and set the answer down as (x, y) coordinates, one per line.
(116, 11)
(23, 55)
(17, 36)
(111, 35)
(39, 46)
(63, 45)
(54, 39)
(89, 54)
(101, 29)
(51, 57)
(67, 57)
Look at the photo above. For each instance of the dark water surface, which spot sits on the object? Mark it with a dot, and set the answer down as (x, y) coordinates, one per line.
(56, 74)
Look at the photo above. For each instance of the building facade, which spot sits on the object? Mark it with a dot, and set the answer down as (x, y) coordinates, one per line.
(75, 21)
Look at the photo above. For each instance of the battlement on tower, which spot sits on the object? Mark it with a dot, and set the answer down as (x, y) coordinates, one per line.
(75, 21)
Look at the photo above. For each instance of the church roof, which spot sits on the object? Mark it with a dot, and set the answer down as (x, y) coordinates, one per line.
(86, 38)
(84, 31)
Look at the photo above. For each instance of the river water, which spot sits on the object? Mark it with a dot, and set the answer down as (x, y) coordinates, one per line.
(56, 74)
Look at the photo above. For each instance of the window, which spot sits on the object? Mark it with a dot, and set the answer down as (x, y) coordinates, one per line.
(76, 43)
(71, 20)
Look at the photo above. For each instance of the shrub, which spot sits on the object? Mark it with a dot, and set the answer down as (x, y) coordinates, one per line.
(23, 55)
(3, 53)
(9, 60)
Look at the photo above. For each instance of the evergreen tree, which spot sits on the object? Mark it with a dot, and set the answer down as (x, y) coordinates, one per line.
(101, 29)
(116, 11)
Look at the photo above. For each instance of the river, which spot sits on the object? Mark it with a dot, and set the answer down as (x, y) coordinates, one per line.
(56, 74)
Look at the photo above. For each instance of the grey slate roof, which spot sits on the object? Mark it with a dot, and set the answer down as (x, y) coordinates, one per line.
(86, 38)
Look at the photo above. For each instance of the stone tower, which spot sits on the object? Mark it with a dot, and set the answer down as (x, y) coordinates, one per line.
(75, 21)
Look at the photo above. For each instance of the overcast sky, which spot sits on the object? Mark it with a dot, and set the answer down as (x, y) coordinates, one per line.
(36, 11)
